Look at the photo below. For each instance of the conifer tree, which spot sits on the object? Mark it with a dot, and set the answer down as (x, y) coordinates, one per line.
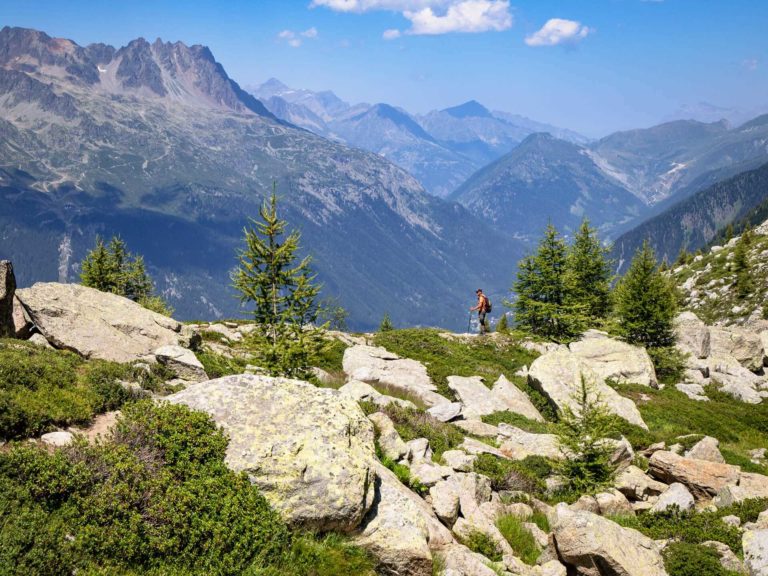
(112, 268)
(386, 323)
(501, 325)
(588, 274)
(283, 292)
(542, 306)
(646, 303)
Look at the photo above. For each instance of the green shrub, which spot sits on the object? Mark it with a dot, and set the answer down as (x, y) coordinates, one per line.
(154, 499)
(41, 389)
(541, 520)
(519, 538)
(217, 365)
(412, 424)
(386, 323)
(688, 527)
(747, 511)
(526, 475)
(684, 559)
(483, 544)
(669, 363)
(581, 434)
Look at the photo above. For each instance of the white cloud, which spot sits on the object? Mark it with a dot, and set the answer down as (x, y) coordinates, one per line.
(391, 34)
(292, 38)
(558, 31)
(751, 64)
(434, 16)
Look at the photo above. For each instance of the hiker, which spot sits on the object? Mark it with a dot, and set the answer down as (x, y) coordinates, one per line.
(483, 307)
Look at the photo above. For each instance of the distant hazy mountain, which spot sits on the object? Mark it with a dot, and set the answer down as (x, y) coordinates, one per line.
(155, 142)
(441, 149)
(547, 180)
(695, 221)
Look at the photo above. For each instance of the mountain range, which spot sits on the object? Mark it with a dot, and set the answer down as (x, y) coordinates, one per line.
(153, 141)
(441, 148)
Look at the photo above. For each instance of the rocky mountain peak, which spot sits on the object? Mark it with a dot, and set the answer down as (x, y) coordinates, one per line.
(473, 108)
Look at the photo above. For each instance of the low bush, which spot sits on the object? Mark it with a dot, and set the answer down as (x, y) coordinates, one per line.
(217, 365)
(684, 559)
(41, 389)
(526, 475)
(519, 421)
(688, 527)
(669, 363)
(519, 538)
(483, 544)
(154, 499)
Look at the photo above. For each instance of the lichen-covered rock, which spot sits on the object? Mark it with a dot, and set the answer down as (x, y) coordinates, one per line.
(309, 450)
(692, 335)
(558, 375)
(445, 501)
(514, 399)
(703, 478)
(375, 364)
(446, 412)
(459, 460)
(676, 495)
(637, 485)
(612, 359)
(363, 392)
(748, 486)
(183, 362)
(755, 546)
(595, 546)
(390, 442)
(706, 449)
(458, 560)
(97, 324)
(743, 345)
(518, 444)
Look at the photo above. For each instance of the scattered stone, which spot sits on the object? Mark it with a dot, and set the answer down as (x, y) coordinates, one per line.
(704, 479)
(728, 559)
(7, 291)
(309, 450)
(419, 450)
(612, 359)
(97, 324)
(324, 377)
(693, 391)
(429, 474)
(22, 324)
(637, 485)
(477, 428)
(757, 454)
(676, 495)
(475, 447)
(518, 444)
(459, 460)
(746, 347)
(58, 438)
(39, 340)
(514, 399)
(392, 446)
(445, 501)
(477, 399)
(595, 546)
(706, 449)
(461, 561)
(400, 528)
(558, 376)
(363, 392)
(446, 412)
(613, 503)
(755, 546)
(748, 486)
(732, 520)
(692, 335)
(182, 362)
(375, 364)
(541, 537)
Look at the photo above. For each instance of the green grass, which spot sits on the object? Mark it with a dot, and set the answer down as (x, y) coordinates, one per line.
(669, 414)
(519, 421)
(42, 389)
(330, 356)
(487, 357)
(216, 365)
(412, 424)
(483, 544)
(519, 538)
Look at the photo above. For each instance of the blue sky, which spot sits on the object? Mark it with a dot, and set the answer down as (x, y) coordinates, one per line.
(593, 65)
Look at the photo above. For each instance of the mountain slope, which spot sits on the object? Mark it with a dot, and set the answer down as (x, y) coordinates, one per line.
(694, 222)
(547, 180)
(155, 142)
